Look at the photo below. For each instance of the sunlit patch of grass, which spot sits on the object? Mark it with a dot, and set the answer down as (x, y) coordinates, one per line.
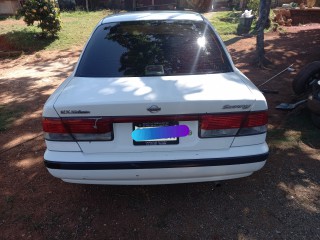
(76, 29)
(226, 23)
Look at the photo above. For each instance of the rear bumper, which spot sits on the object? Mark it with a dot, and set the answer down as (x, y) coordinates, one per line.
(132, 170)
(156, 164)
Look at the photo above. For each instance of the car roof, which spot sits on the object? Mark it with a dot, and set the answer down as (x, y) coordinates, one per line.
(153, 15)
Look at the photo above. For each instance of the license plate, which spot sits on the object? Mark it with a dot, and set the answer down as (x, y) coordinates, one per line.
(166, 141)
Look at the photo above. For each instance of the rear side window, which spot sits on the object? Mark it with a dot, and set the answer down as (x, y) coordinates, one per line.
(152, 48)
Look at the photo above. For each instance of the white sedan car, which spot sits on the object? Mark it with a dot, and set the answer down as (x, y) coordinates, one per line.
(155, 99)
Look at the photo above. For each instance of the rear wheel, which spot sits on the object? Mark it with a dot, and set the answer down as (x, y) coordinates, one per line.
(304, 79)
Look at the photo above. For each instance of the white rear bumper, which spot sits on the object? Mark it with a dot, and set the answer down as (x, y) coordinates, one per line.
(157, 176)
(156, 167)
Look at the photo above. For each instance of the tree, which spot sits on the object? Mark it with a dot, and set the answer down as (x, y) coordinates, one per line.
(262, 23)
(45, 12)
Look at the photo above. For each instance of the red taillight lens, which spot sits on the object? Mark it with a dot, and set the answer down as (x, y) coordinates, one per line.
(215, 122)
(53, 125)
(228, 125)
(77, 129)
(101, 129)
(256, 119)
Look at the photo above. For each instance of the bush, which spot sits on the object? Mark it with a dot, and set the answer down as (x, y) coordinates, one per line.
(45, 12)
(254, 6)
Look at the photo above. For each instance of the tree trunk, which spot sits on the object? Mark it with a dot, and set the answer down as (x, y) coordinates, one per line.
(87, 5)
(263, 21)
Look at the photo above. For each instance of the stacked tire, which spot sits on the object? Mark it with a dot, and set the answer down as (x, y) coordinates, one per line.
(307, 82)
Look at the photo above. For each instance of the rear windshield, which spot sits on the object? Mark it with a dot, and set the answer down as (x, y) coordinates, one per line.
(152, 48)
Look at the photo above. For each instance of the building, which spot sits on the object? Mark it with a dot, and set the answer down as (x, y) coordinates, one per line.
(136, 5)
(9, 7)
(153, 4)
(140, 4)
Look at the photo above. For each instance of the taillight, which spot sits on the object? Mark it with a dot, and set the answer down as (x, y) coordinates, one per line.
(72, 129)
(238, 124)
(210, 122)
(255, 119)
(255, 123)
(101, 129)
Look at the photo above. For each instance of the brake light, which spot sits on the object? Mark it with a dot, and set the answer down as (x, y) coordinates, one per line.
(101, 129)
(255, 119)
(214, 122)
(95, 129)
(238, 124)
(255, 123)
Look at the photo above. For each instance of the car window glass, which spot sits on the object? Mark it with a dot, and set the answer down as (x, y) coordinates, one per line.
(149, 48)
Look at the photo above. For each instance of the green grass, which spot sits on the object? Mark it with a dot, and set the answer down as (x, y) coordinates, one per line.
(5, 17)
(76, 29)
(297, 128)
(226, 23)
(77, 26)
(8, 115)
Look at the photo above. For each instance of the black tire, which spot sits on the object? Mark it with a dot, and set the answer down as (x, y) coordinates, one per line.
(315, 119)
(302, 80)
(314, 105)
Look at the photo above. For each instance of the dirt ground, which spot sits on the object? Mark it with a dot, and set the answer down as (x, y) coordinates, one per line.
(282, 201)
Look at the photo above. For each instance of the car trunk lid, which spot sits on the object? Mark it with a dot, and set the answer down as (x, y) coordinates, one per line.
(125, 99)
(210, 93)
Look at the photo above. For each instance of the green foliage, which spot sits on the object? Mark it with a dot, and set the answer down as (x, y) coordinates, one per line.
(230, 17)
(254, 6)
(226, 22)
(45, 12)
